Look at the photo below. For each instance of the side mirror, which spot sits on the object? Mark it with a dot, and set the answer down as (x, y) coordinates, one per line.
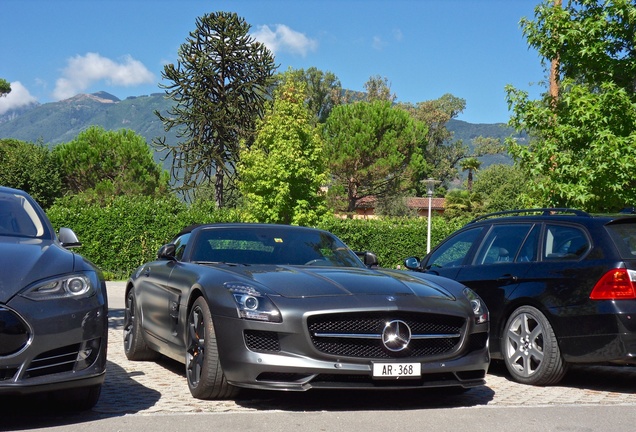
(412, 263)
(368, 258)
(68, 239)
(167, 252)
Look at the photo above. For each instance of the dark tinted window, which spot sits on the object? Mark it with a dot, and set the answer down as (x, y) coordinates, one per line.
(453, 252)
(180, 244)
(624, 236)
(564, 243)
(502, 243)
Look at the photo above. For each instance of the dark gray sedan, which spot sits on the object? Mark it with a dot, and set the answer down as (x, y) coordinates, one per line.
(279, 307)
(53, 309)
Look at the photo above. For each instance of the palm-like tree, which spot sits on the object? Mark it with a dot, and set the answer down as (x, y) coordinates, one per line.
(471, 165)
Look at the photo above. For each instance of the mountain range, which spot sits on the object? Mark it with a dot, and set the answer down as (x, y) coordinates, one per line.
(59, 122)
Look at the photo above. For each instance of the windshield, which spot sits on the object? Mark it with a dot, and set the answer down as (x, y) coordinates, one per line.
(275, 245)
(18, 217)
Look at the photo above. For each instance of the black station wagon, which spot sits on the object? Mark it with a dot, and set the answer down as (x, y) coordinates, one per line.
(560, 285)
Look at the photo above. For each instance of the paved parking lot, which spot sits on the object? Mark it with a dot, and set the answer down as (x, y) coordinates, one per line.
(160, 387)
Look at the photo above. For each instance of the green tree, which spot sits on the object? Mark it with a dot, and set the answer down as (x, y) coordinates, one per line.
(30, 167)
(5, 87)
(470, 164)
(437, 147)
(370, 148)
(324, 90)
(584, 150)
(282, 172)
(503, 187)
(460, 203)
(378, 88)
(593, 40)
(109, 163)
(583, 143)
(219, 86)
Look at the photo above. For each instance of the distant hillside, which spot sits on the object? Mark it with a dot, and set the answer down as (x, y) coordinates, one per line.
(58, 122)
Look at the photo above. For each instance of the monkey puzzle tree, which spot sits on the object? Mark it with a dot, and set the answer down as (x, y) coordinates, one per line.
(220, 85)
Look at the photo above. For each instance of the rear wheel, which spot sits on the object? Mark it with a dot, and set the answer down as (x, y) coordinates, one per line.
(531, 351)
(206, 379)
(135, 347)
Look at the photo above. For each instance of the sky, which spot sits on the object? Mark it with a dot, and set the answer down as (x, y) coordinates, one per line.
(51, 50)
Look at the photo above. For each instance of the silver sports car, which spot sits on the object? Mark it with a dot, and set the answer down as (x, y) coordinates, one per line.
(291, 308)
(53, 309)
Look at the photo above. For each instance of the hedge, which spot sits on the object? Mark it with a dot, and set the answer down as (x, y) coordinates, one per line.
(123, 234)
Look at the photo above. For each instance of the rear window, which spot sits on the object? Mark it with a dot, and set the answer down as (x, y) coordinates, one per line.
(624, 237)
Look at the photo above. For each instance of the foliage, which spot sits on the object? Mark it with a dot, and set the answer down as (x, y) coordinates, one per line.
(282, 172)
(5, 87)
(503, 187)
(470, 164)
(128, 231)
(378, 88)
(395, 206)
(437, 147)
(462, 203)
(592, 39)
(370, 148)
(219, 86)
(585, 149)
(323, 90)
(30, 167)
(103, 164)
(391, 239)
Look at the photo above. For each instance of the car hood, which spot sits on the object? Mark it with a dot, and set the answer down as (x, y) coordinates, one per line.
(26, 260)
(297, 282)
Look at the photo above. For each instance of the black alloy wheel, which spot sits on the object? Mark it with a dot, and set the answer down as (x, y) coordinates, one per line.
(205, 376)
(135, 346)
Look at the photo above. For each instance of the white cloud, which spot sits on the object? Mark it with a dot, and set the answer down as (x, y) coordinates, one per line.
(82, 71)
(378, 43)
(18, 98)
(284, 39)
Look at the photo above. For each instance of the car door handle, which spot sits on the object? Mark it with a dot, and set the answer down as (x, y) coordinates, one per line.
(507, 279)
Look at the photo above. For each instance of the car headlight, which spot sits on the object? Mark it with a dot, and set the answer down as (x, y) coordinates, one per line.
(479, 308)
(253, 305)
(67, 286)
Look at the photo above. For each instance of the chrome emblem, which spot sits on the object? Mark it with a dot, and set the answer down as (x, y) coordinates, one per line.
(396, 335)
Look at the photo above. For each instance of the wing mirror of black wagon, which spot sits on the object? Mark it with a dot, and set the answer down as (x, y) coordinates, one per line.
(412, 263)
(167, 252)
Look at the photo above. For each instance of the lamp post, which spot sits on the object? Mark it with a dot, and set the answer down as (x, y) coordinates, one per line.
(430, 186)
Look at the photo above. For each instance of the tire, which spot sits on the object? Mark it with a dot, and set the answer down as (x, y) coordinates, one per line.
(135, 346)
(204, 373)
(530, 348)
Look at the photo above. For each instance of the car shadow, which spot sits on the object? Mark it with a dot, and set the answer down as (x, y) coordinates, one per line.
(596, 378)
(120, 395)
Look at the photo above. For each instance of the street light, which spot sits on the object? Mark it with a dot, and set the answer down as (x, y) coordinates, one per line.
(430, 186)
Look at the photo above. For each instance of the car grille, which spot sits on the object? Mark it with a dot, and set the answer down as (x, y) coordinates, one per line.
(14, 332)
(359, 335)
(54, 361)
(261, 341)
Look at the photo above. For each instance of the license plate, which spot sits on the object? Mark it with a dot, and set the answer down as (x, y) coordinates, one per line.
(396, 370)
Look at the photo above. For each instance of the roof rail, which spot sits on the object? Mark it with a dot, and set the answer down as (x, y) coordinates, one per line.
(543, 211)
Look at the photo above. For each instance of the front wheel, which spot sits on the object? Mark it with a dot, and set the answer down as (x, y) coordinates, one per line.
(531, 351)
(135, 346)
(206, 379)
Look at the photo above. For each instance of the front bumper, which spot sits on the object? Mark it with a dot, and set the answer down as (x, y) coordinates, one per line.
(285, 360)
(66, 346)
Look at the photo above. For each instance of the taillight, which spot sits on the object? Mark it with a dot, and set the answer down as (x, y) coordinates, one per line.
(616, 284)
